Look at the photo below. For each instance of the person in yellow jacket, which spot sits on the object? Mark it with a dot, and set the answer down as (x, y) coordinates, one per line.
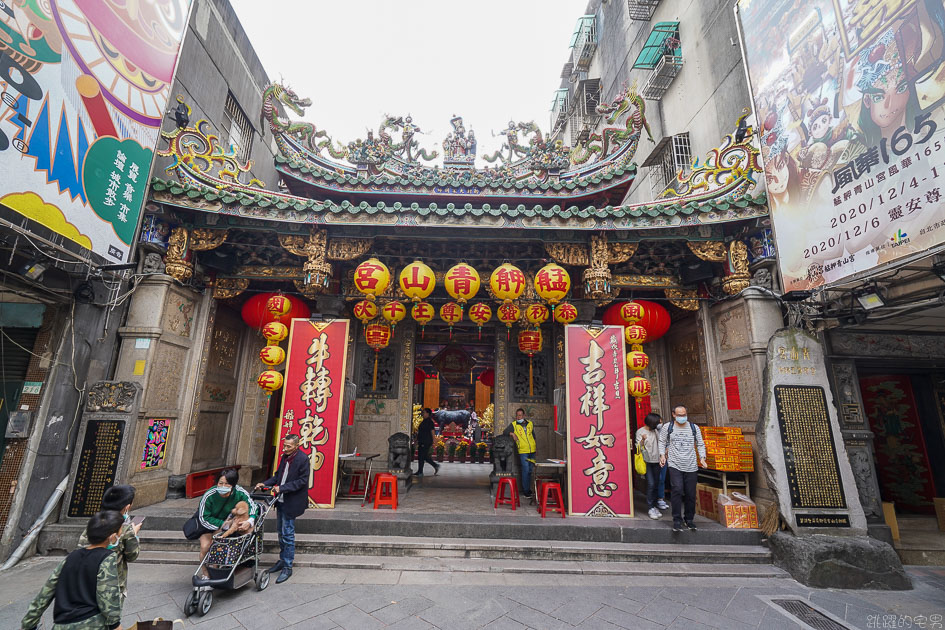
(523, 432)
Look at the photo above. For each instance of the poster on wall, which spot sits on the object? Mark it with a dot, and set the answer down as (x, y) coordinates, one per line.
(850, 102)
(155, 443)
(598, 438)
(313, 395)
(85, 86)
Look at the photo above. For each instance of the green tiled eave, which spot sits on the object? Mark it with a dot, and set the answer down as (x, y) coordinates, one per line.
(187, 192)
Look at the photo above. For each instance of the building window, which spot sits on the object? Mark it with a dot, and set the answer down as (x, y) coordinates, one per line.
(584, 118)
(663, 40)
(239, 131)
(642, 10)
(672, 155)
(584, 42)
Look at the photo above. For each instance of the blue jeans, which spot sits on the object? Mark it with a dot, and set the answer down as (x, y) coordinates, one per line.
(526, 471)
(286, 527)
(661, 486)
(654, 473)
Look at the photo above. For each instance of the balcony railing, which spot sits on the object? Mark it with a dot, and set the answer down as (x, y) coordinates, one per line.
(585, 42)
(661, 77)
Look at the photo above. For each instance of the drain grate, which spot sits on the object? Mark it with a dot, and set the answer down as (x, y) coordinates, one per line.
(809, 615)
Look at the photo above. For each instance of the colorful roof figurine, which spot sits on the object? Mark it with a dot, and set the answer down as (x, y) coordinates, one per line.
(534, 183)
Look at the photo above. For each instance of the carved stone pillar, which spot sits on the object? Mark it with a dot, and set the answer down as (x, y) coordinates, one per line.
(177, 261)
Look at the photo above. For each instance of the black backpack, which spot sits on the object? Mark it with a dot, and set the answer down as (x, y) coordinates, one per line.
(672, 425)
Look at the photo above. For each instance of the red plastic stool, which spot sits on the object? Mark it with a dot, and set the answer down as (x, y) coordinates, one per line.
(512, 499)
(540, 483)
(551, 499)
(386, 492)
(359, 480)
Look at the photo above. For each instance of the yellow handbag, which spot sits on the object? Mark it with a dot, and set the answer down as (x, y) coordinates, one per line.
(638, 464)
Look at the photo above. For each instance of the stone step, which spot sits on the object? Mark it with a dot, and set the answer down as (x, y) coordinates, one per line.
(483, 565)
(564, 551)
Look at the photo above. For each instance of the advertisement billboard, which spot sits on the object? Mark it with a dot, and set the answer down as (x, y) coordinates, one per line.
(598, 437)
(313, 395)
(850, 102)
(85, 85)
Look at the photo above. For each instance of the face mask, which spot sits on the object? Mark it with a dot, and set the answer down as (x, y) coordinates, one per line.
(224, 491)
(682, 419)
(113, 544)
(125, 516)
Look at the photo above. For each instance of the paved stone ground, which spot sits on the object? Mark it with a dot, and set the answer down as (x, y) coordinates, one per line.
(364, 599)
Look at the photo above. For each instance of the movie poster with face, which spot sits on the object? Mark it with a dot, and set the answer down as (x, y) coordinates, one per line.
(84, 87)
(850, 101)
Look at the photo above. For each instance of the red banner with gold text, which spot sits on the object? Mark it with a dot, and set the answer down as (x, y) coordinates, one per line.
(312, 399)
(599, 480)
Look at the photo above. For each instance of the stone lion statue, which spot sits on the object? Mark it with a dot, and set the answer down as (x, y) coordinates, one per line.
(398, 451)
(503, 449)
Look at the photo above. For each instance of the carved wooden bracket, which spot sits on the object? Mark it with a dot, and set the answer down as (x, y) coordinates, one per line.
(176, 263)
(712, 251)
(225, 288)
(202, 239)
(348, 248)
(683, 298)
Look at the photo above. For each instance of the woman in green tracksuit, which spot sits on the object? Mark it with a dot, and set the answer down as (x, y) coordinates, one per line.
(216, 505)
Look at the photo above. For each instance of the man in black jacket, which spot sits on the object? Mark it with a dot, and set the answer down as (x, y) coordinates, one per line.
(290, 483)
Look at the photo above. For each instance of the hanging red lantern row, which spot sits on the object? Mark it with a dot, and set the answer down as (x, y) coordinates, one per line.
(637, 360)
(272, 355)
(507, 282)
(479, 314)
(417, 281)
(377, 337)
(529, 342)
(422, 313)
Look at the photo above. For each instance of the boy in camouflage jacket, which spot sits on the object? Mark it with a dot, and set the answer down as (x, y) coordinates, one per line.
(119, 498)
(85, 584)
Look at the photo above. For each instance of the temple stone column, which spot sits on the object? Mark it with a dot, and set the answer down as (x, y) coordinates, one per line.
(160, 349)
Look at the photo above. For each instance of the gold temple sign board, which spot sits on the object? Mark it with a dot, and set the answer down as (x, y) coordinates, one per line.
(809, 453)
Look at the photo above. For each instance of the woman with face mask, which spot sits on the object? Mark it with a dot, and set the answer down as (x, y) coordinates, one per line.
(216, 505)
(85, 584)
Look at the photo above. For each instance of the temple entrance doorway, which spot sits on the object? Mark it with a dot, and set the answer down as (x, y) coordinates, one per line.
(458, 374)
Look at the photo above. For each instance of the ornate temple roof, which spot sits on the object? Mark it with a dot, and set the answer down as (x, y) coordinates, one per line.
(539, 185)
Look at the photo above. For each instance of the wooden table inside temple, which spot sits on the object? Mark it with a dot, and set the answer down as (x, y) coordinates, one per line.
(345, 469)
(549, 469)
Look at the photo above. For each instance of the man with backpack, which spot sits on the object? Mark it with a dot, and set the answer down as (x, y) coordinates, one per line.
(678, 443)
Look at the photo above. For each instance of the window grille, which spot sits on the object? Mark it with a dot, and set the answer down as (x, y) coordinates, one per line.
(584, 42)
(239, 131)
(560, 107)
(662, 40)
(672, 155)
(642, 10)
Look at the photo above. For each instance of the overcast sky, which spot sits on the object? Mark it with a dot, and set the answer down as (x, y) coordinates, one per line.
(489, 61)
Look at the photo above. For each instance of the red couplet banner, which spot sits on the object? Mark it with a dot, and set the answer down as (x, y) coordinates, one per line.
(312, 399)
(599, 480)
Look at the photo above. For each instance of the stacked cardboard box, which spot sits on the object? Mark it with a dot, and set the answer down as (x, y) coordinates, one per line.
(737, 511)
(707, 501)
(727, 449)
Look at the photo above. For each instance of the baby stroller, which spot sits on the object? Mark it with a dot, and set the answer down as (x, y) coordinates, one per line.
(231, 563)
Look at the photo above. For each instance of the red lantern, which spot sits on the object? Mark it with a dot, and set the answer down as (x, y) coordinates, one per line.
(462, 282)
(508, 314)
(419, 376)
(536, 314)
(529, 342)
(487, 378)
(638, 387)
(279, 306)
(272, 355)
(656, 319)
(274, 332)
(637, 360)
(480, 314)
(565, 313)
(631, 312)
(394, 312)
(255, 314)
(635, 334)
(377, 337)
(365, 311)
(451, 313)
(371, 278)
(422, 313)
(270, 381)
(552, 283)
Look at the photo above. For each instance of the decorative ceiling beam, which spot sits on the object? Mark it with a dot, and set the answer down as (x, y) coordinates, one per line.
(225, 288)
(203, 239)
(712, 251)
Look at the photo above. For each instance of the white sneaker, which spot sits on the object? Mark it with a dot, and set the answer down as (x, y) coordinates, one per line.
(654, 513)
(663, 505)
